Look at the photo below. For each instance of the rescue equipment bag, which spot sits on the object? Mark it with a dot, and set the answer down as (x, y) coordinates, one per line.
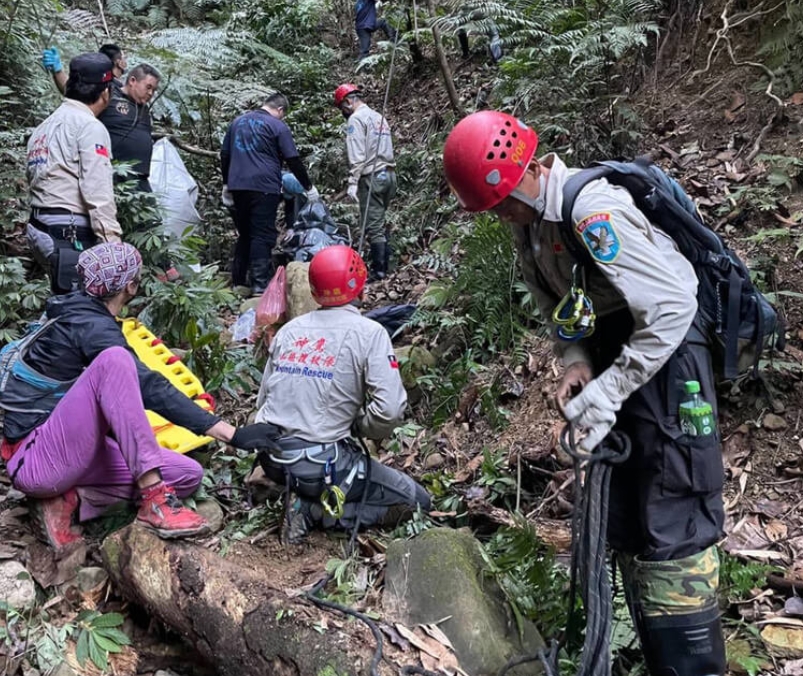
(739, 320)
(23, 388)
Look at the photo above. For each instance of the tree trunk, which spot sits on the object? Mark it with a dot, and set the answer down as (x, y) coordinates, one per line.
(448, 81)
(237, 619)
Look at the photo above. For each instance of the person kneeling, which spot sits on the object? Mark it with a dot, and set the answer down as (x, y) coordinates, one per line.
(90, 445)
(331, 371)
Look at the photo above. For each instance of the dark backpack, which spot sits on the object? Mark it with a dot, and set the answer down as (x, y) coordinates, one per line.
(23, 388)
(739, 319)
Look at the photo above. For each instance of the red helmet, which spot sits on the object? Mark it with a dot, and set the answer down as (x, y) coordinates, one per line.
(486, 156)
(337, 275)
(343, 91)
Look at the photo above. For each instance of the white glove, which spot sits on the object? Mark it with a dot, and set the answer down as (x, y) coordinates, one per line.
(313, 195)
(226, 198)
(378, 5)
(352, 192)
(592, 413)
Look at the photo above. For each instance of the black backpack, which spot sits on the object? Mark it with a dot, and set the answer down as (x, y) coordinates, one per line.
(739, 319)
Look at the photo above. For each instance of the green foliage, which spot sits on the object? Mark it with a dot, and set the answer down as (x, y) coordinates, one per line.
(47, 641)
(481, 300)
(98, 635)
(196, 298)
(594, 46)
(781, 45)
(495, 477)
(525, 569)
(738, 578)
(20, 299)
(231, 369)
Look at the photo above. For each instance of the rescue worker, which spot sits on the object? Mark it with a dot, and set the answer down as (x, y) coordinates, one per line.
(80, 452)
(366, 23)
(128, 121)
(666, 511)
(329, 372)
(372, 170)
(51, 62)
(70, 175)
(255, 147)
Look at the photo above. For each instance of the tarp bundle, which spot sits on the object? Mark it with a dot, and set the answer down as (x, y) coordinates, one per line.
(314, 229)
(175, 190)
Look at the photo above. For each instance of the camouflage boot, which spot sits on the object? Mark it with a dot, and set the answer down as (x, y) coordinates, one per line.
(674, 607)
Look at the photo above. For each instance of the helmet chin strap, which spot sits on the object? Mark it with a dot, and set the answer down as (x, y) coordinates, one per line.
(537, 204)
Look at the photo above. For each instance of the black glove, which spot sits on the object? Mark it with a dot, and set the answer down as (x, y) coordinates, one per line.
(257, 437)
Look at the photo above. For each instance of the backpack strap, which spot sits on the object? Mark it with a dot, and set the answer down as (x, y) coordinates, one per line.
(571, 190)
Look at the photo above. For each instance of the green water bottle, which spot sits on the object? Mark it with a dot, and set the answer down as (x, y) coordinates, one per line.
(696, 414)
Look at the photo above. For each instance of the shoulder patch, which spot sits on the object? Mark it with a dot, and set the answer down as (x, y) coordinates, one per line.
(600, 238)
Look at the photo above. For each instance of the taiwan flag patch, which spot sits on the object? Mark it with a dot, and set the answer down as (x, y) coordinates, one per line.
(394, 364)
(101, 150)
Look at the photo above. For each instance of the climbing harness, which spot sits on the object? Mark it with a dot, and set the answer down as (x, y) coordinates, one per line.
(376, 154)
(574, 315)
(589, 539)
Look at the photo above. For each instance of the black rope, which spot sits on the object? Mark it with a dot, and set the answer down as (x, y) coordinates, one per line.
(589, 539)
(312, 594)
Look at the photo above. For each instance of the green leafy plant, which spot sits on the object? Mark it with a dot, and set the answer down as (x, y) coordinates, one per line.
(738, 578)
(20, 299)
(98, 635)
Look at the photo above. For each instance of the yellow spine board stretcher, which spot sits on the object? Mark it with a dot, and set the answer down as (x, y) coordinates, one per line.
(155, 355)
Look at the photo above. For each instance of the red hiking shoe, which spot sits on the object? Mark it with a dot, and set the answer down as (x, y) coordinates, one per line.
(52, 518)
(162, 511)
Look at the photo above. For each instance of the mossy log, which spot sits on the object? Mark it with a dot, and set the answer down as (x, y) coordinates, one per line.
(237, 619)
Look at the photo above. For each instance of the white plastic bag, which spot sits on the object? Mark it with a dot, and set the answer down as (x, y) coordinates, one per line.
(174, 188)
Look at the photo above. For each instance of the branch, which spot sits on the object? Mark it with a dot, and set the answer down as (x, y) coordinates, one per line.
(195, 150)
(103, 18)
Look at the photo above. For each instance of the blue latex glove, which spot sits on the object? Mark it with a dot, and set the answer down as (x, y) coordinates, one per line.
(51, 60)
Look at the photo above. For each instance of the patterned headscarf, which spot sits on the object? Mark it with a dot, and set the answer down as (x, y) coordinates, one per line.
(106, 268)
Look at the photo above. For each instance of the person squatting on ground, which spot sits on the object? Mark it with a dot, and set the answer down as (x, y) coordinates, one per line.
(51, 62)
(69, 172)
(666, 511)
(366, 23)
(93, 446)
(127, 118)
(329, 372)
(255, 147)
(372, 169)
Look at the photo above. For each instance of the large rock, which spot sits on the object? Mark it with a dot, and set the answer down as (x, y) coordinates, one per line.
(441, 574)
(415, 361)
(299, 296)
(16, 585)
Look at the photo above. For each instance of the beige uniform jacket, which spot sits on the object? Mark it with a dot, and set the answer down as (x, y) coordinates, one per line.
(368, 143)
(326, 370)
(69, 167)
(636, 266)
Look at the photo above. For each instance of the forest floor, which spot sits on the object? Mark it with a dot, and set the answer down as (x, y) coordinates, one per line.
(703, 131)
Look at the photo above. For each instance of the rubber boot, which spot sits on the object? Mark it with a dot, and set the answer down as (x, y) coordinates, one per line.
(379, 261)
(261, 273)
(683, 645)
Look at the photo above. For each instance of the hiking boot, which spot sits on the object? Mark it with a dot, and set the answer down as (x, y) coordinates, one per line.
(396, 515)
(296, 525)
(52, 519)
(379, 262)
(162, 511)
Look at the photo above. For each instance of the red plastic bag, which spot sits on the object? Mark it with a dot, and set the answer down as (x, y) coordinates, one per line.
(272, 305)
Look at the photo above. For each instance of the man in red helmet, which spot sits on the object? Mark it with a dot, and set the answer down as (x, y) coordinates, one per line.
(666, 511)
(372, 171)
(329, 372)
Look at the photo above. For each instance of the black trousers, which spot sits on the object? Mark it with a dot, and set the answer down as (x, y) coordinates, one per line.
(666, 499)
(255, 220)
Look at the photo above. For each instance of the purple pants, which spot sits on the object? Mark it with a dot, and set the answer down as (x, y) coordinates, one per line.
(98, 441)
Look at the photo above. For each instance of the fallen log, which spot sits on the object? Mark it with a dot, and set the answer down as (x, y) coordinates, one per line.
(237, 619)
